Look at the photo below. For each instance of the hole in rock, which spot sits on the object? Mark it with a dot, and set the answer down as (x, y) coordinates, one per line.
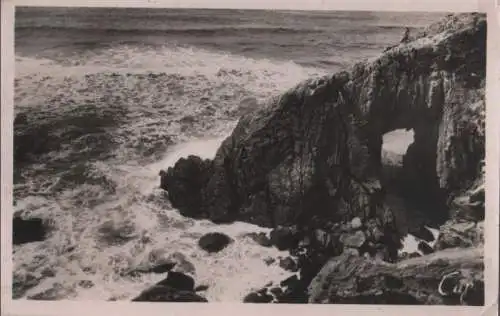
(408, 195)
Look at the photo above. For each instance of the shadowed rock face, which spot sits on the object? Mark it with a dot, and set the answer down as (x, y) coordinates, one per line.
(315, 151)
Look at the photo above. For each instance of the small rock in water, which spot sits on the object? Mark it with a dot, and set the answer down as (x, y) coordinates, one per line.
(414, 255)
(289, 264)
(214, 242)
(356, 223)
(178, 281)
(27, 230)
(425, 248)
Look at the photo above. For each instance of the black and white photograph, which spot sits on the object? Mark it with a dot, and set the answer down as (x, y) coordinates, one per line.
(249, 156)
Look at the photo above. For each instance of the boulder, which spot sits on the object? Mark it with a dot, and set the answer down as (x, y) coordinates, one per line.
(349, 279)
(214, 242)
(28, 230)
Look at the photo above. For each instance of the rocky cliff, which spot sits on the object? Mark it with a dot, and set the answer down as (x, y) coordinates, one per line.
(310, 163)
(315, 151)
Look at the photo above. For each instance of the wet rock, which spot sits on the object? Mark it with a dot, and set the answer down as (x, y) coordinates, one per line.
(162, 293)
(214, 242)
(461, 235)
(28, 230)
(355, 240)
(425, 248)
(289, 264)
(285, 238)
(179, 281)
(414, 255)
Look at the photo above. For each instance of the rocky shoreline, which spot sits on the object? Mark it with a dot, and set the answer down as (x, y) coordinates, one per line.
(309, 165)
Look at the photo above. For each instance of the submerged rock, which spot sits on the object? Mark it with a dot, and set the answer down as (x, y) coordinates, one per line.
(177, 287)
(214, 242)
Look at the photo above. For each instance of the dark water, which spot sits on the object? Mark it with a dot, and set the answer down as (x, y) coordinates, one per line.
(320, 39)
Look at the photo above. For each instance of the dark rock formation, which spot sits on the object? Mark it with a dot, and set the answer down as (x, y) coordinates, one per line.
(315, 151)
(350, 279)
(28, 230)
(177, 287)
(309, 164)
(214, 242)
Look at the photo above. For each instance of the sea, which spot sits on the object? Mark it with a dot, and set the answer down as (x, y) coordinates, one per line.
(105, 98)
